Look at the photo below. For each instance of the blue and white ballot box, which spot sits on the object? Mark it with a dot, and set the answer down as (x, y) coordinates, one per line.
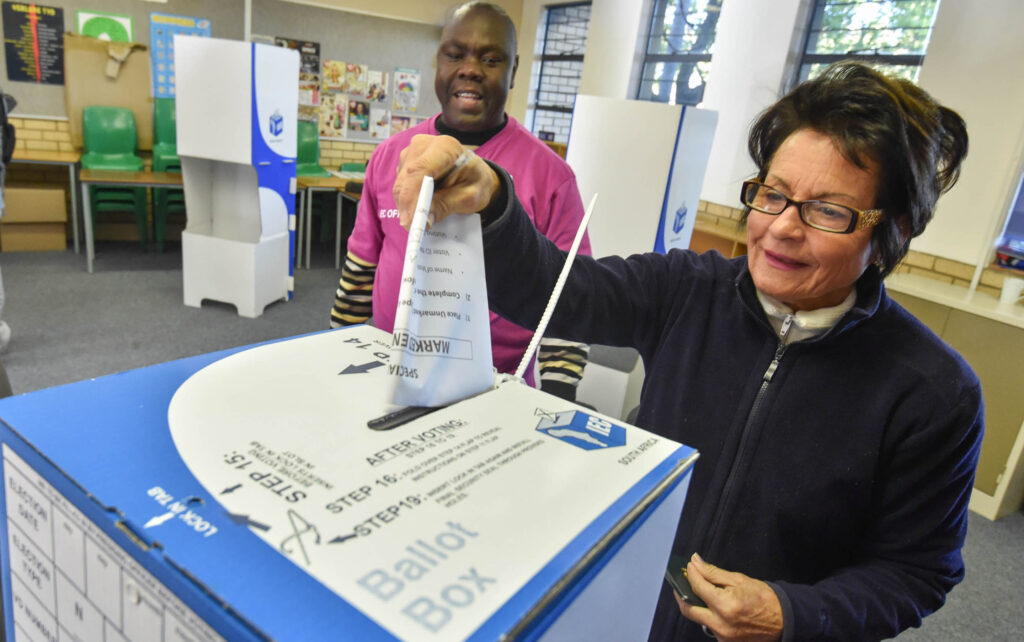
(237, 114)
(240, 496)
(647, 161)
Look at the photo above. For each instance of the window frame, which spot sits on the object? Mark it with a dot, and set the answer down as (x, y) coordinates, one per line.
(683, 58)
(542, 60)
(875, 59)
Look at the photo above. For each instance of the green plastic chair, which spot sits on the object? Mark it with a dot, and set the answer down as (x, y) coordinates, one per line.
(307, 162)
(109, 137)
(165, 159)
(352, 167)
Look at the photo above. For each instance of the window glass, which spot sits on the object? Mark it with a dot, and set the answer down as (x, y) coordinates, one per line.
(558, 66)
(890, 35)
(678, 51)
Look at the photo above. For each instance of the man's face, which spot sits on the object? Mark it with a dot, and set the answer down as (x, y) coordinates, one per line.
(476, 67)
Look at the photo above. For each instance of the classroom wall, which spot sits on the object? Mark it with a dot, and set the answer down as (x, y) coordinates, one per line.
(974, 66)
(48, 100)
(746, 75)
(381, 43)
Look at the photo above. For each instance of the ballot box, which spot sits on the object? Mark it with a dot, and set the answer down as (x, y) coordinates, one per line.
(240, 495)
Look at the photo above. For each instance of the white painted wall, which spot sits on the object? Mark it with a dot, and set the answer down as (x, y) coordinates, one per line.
(612, 51)
(973, 65)
(751, 45)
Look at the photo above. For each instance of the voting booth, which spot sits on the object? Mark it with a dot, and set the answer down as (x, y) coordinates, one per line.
(237, 110)
(647, 161)
(240, 495)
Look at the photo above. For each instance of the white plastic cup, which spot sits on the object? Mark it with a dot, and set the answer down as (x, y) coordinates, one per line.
(1012, 290)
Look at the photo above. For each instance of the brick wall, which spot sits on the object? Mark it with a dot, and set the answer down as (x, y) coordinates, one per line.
(42, 135)
(335, 152)
(728, 219)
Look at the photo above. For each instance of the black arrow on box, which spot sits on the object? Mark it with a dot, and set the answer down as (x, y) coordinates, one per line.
(342, 538)
(362, 368)
(245, 521)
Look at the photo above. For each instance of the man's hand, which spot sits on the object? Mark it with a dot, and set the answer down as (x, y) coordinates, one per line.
(464, 183)
(739, 607)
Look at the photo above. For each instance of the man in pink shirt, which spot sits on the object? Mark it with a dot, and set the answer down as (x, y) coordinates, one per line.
(476, 65)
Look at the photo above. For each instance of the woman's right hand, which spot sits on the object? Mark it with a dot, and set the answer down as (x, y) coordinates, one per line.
(464, 183)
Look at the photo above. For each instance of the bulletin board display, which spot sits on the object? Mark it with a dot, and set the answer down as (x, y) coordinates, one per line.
(374, 72)
(114, 27)
(162, 29)
(33, 43)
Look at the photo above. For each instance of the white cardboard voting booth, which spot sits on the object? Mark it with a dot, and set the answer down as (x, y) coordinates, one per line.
(240, 496)
(647, 161)
(237, 110)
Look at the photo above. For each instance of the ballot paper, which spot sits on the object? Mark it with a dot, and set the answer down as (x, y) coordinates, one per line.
(441, 344)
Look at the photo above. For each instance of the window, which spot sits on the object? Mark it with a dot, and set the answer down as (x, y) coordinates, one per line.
(558, 66)
(890, 35)
(678, 52)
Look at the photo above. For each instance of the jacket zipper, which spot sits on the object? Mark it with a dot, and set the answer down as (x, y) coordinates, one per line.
(766, 379)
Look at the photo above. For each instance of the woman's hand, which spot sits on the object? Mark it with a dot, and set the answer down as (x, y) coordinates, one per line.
(738, 607)
(464, 183)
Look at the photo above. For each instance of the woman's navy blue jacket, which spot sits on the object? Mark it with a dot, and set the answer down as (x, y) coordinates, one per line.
(842, 479)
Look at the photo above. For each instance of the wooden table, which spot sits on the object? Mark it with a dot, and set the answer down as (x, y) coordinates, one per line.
(87, 177)
(306, 186)
(56, 158)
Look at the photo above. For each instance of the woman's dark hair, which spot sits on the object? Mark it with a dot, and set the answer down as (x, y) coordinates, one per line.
(917, 143)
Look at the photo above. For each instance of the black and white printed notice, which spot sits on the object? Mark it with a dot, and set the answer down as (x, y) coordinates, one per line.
(441, 345)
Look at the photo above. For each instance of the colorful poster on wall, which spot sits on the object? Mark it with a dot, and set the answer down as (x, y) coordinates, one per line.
(34, 43)
(309, 76)
(113, 27)
(334, 75)
(333, 112)
(355, 80)
(377, 86)
(358, 115)
(162, 29)
(407, 89)
(399, 123)
(380, 122)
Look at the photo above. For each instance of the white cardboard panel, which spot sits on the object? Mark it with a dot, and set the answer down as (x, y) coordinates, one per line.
(277, 72)
(248, 275)
(214, 94)
(622, 149)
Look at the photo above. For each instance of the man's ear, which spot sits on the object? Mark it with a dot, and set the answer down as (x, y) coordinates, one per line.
(515, 66)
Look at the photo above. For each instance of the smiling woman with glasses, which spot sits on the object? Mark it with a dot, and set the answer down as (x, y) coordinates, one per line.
(838, 436)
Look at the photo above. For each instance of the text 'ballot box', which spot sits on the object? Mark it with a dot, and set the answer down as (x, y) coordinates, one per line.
(240, 495)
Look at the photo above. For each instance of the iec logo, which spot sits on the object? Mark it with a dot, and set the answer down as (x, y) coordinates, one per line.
(582, 430)
(276, 123)
(680, 220)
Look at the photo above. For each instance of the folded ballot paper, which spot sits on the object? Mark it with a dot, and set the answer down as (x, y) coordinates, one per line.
(441, 345)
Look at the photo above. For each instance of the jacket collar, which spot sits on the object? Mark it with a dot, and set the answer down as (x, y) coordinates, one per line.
(870, 295)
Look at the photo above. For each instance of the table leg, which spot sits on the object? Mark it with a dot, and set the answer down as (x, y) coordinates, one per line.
(73, 183)
(87, 224)
(309, 223)
(298, 233)
(337, 231)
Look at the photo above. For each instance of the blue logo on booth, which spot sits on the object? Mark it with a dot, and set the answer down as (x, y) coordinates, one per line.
(583, 430)
(680, 220)
(276, 123)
